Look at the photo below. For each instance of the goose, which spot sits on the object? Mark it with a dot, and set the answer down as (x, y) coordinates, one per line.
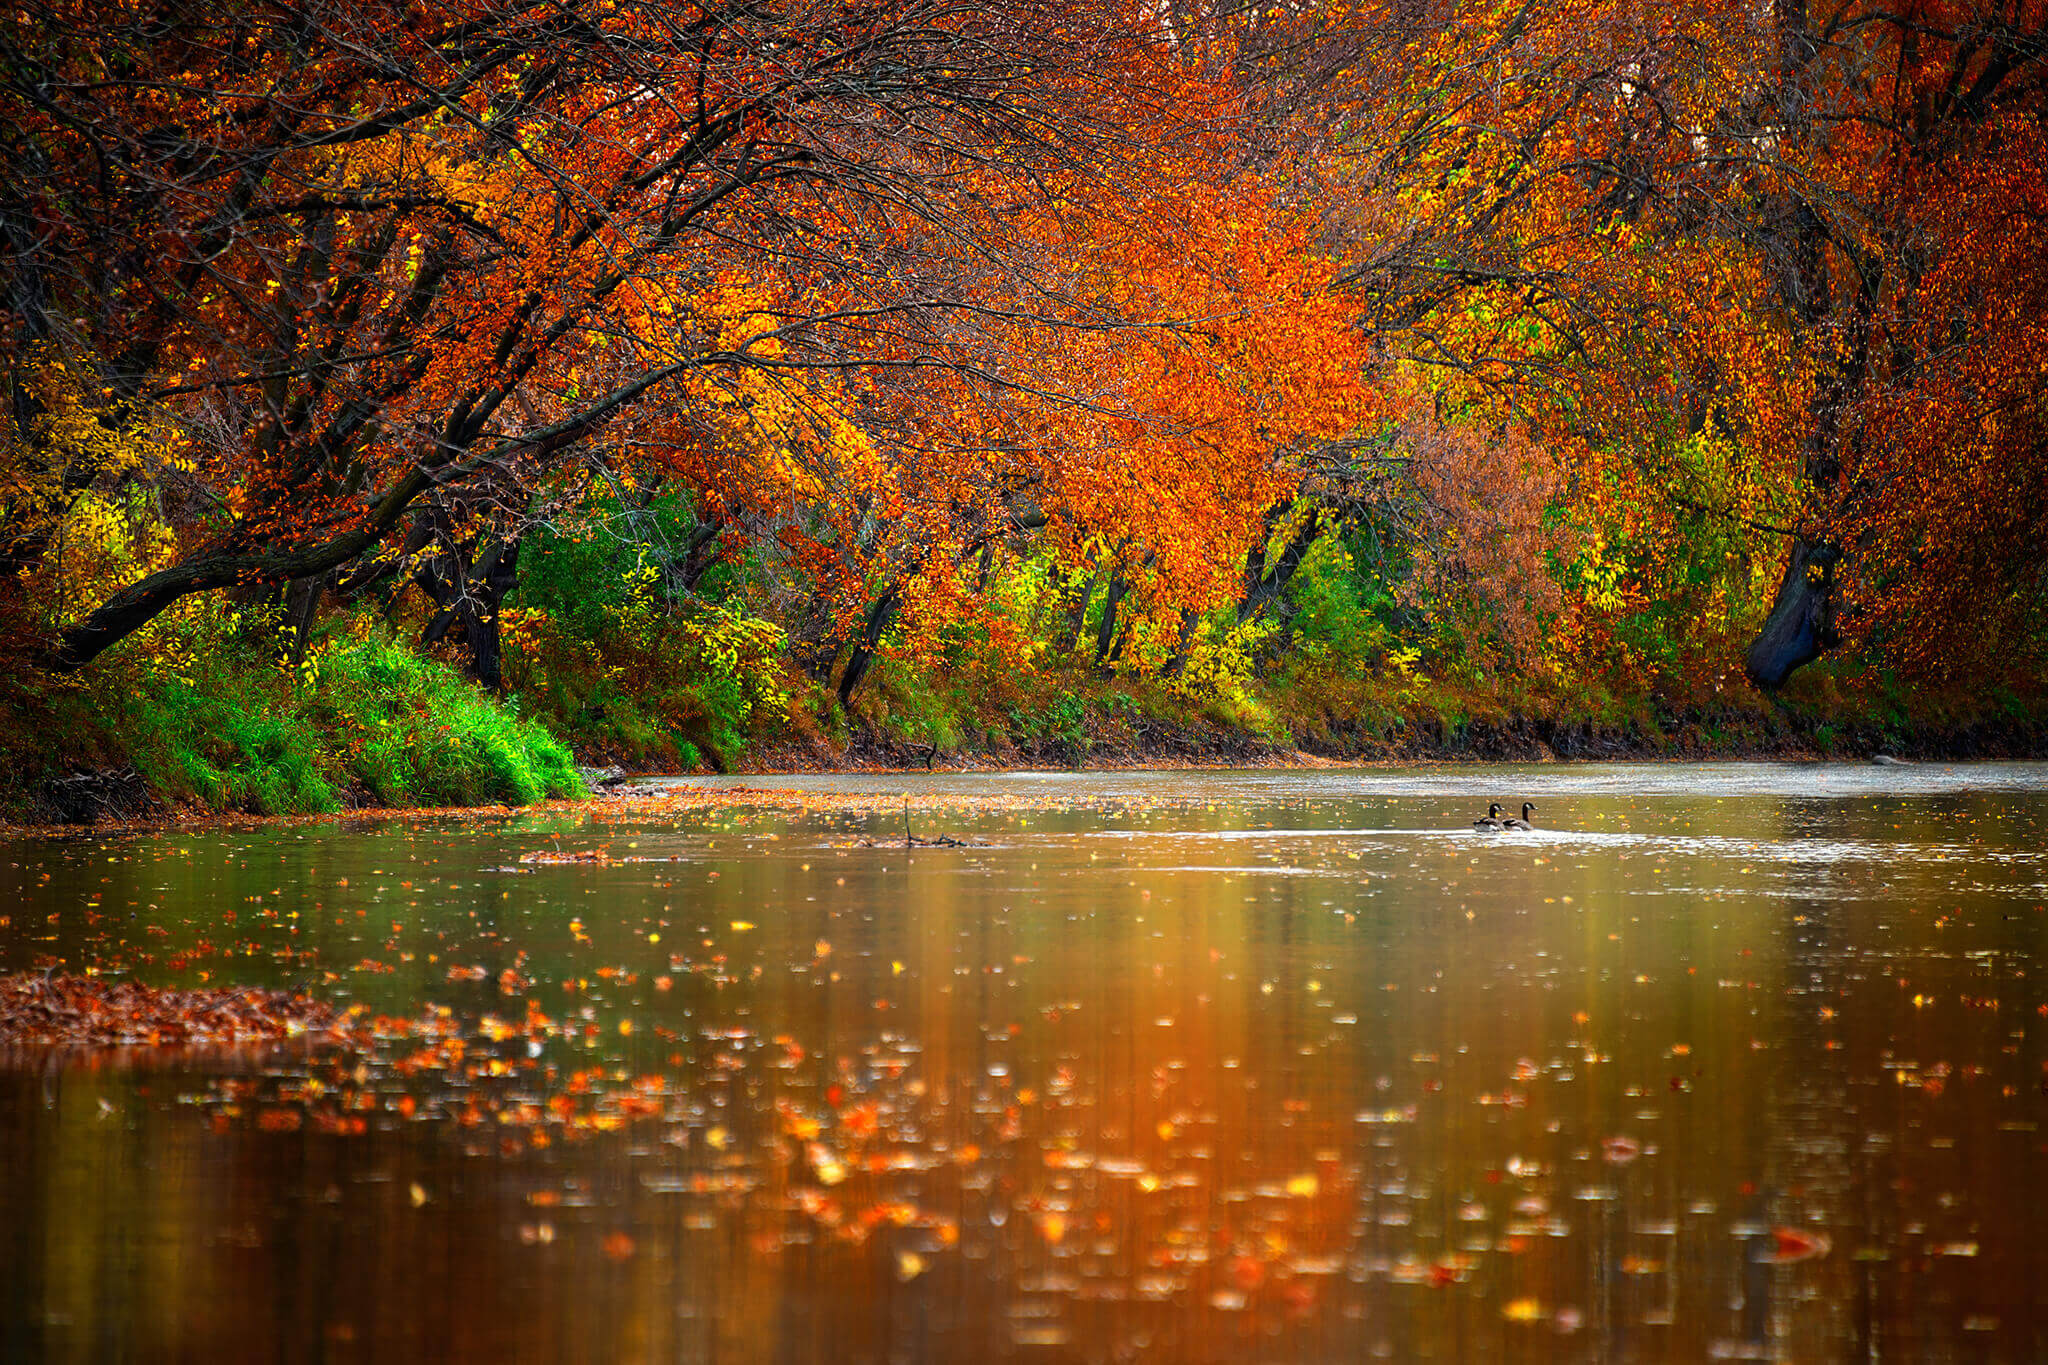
(1491, 820)
(1512, 823)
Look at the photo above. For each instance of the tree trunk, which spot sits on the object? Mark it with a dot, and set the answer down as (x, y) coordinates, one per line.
(470, 598)
(1801, 625)
(1177, 662)
(1105, 630)
(1264, 585)
(700, 552)
(1075, 602)
(500, 576)
(302, 603)
(857, 662)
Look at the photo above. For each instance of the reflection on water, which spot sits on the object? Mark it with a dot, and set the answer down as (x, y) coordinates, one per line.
(1181, 1067)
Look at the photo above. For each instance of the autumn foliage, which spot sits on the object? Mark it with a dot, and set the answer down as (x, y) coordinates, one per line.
(1610, 340)
(84, 1011)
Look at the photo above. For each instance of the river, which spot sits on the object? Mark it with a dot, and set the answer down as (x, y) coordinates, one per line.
(1718, 1062)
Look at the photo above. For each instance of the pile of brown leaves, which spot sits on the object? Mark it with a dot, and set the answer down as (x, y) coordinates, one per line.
(35, 1008)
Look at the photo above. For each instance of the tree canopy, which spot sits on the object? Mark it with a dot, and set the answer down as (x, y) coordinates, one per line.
(1588, 316)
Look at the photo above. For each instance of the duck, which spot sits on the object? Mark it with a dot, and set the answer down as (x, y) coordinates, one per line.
(1491, 820)
(1512, 823)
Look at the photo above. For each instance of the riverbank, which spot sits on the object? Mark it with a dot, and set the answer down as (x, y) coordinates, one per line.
(1116, 742)
(373, 728)
(119, 799)
(615, 796)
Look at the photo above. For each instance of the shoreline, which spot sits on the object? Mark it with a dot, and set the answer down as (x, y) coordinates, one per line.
(627, 796)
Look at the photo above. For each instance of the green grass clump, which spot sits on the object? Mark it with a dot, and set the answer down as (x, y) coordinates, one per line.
(205, 710)
(227, 752)
(410, 731)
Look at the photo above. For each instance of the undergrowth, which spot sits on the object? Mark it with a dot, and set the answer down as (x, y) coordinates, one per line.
(210, 717)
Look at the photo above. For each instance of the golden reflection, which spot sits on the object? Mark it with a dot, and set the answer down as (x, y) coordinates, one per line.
(1187, 1084)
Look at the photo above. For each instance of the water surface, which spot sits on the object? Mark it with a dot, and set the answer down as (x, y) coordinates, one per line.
(1720, 1062)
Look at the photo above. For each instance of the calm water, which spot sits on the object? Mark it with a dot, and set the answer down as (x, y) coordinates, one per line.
(1743, 1063)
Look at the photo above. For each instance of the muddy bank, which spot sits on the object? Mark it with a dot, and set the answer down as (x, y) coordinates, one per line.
(1683, 737)
(1142, 742)
(116, 798)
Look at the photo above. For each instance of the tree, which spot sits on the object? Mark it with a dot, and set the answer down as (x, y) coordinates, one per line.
(1807, 235)
(366, 251)
(1907, 226)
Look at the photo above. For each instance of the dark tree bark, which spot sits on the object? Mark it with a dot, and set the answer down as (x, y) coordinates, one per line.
(1177, 662)
(877, 624)
(1801, 626)
(699, 554)
(470, 596)
(301, 604)
(1074, 600)
(1263, 584)
(1105, 629)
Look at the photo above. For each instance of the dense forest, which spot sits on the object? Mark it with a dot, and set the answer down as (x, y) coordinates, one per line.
(405, 400)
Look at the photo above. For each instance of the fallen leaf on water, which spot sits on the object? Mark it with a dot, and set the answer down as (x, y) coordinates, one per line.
(550, 855)
(70, 1009)
(1790, 1245)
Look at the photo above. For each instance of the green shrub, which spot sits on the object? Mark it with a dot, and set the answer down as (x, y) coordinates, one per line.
(625, 664)
(1342, 620)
